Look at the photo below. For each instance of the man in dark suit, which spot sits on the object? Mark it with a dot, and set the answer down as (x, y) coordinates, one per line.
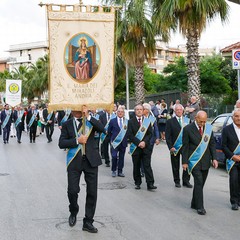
(197, 153)
(230, 146)
(32, 122)
(174, 128)
(19, 118)
(117, 133)
(6, 119)
(48, 122)
(139, 134)
(85, 158)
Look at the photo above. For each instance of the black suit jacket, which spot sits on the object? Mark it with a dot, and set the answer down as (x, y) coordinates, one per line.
(229, 140)
(133, 127)
(45, 115)
(68, 140)
(15, 117)
(191, 139)
(172, 131)
(29, 116)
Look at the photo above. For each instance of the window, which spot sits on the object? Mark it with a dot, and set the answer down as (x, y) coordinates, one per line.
(229, 121)
(218, 124)
(20, 53)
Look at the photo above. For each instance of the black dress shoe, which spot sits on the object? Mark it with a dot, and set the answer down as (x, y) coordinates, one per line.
(201, 211)
(107, 165)
(72, 219)
(30, 141)
(137, 187)
(87, 226)
(178, 185)
(235, 206)
(187, 184)
(151, 187)
(19, 141)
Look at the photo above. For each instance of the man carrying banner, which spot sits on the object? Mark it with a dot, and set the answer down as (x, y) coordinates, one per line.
(6, 119)
(78, 135)
(197, 153)
(231, 148)
(32, 122)
(48, 122)
(63, 116)
(19, 118)
(117, 130)
(174, 130)
(139, 134)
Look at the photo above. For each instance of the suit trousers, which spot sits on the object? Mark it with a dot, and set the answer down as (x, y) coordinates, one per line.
(49, 131)
(175, 162)
(118, 158)
(200, 177)
(234, 184)
(19, 129)
(6, 133)
(145, 158)
(32, 133)
(105, 146)
(75, 170)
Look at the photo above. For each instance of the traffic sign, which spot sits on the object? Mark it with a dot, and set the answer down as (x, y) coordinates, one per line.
(236, 58)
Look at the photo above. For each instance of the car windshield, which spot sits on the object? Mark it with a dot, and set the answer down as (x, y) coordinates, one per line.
(229, 121)
(218, 124)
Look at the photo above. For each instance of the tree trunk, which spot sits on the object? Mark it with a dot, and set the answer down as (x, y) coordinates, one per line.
(193, 72)
(139, 85)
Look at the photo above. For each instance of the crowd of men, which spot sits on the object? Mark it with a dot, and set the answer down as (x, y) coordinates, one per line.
(89, 135)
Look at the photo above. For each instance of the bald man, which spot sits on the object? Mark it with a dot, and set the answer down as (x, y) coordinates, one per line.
(197, 153)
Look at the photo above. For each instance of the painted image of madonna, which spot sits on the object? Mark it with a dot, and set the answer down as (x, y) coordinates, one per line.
(82, 57)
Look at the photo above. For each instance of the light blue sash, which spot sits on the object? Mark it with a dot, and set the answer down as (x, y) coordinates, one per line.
(19, 119)
(6, 119)
(48, 118)
(33, 118)
(65, 118)
(96, 134)
(120, 135)
(230, 163)
(140, 134)
(103, 135)
(201, 148)
(152, 119)
(72, 152)
(178, 143)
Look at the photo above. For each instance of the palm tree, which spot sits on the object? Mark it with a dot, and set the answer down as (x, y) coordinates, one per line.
(135, 37)
(191, 17)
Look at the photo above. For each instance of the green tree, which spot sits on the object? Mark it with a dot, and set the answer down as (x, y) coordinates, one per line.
(191, 16)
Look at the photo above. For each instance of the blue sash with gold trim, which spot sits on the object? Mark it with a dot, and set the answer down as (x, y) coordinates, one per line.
(118, 139)
(48, 118)
(178, 143)
(201, 148)
(140, 134)
(152, 119)
(32, 118)
(6, 119)
(19, 119)
(66, 116)
(103, 135)
(229, 162)
(72, 152)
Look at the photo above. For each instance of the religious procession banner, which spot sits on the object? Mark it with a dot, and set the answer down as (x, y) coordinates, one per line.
(13, 92)
(81, 47)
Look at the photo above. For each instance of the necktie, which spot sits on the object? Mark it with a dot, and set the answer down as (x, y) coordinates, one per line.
(139, 121)
(200, 131)
(180, 122)
(120, 122)
(79, 123)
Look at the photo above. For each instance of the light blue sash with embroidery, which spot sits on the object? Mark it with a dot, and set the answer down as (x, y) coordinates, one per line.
(152, 119)
(229, 162)
(96, 134)
(72, 152)
(118, 139)
(66, 116)
(201, 148)
(140, 134)
(6, 119)
(33, 118)
(178, 143)
(103, 135)
(19, 119)
(48, 118)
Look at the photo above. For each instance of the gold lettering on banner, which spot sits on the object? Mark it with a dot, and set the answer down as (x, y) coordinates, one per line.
(84, 91)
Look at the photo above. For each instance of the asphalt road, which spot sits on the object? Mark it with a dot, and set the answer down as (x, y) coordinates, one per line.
(34, 205)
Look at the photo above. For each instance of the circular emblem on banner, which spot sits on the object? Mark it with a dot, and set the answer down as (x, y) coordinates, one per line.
(143, 129)
(82, 58)
(205, 138)
(125, 127)
(13, 88)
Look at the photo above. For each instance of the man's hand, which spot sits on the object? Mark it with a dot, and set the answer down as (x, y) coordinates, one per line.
(157, 141)
(85, 111)
(172, 150)
(236, 158)
(82, 139)
(185, 166)
(215, 163)
(60, 127)
(142, 144)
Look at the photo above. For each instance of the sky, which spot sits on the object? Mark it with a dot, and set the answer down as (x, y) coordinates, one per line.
(23, 21)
